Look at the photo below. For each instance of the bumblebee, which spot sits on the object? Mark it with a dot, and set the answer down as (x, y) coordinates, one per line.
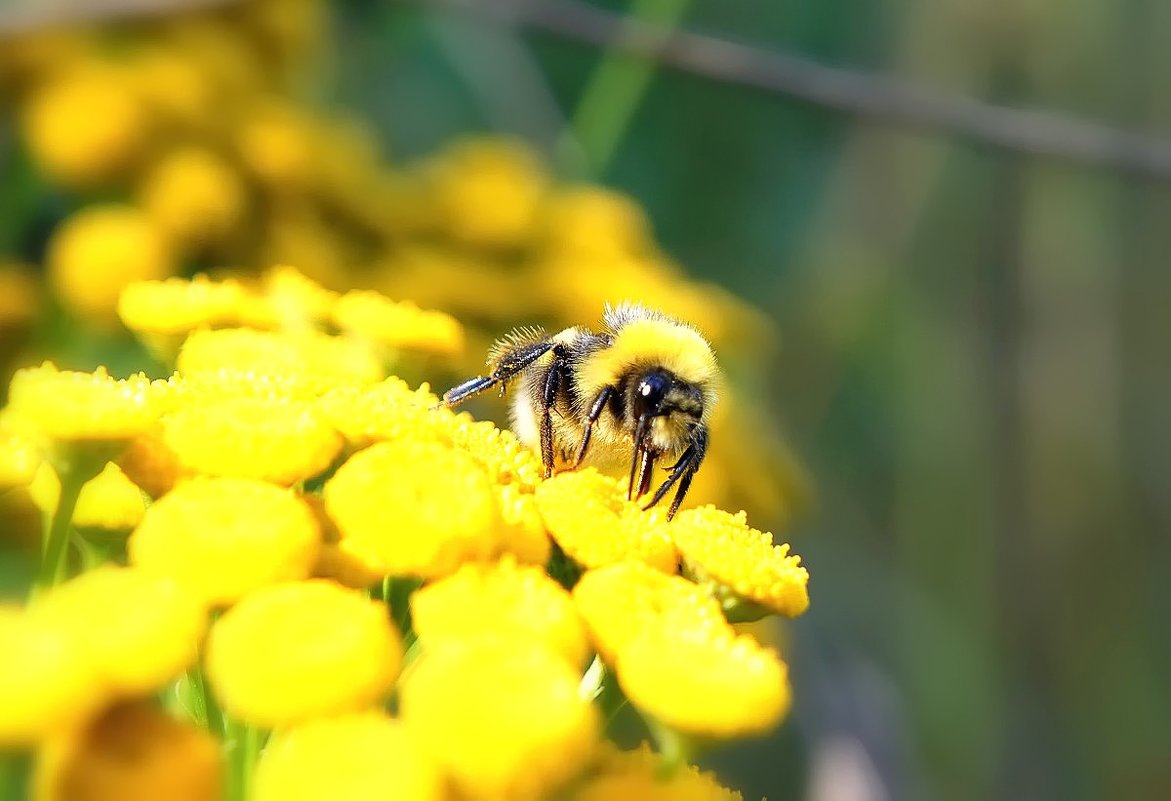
(642, 389)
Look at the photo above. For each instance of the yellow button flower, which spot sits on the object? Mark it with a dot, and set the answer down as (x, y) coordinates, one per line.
(419, 508)
(271, 439)
(225, 537)
(523, 534)
(387, 410)
(19, 457)
(293, 652)
(506, 459)
(589, 517)
(94, 254)
(110, 504)
(179, 305)
(288, 300)
(336, 562)
(399, 325)
(194, 196)
(275, 143)
(620, 602)
(596, 222)
(138, 631)
(46, 684)
(346, 758)
(502, 718)
(638, 776)
(132, 752)
(722, 548)
(502, 600)
(704, 683)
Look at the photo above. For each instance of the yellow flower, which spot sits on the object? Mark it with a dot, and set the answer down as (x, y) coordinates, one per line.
(523, 534)
(589, 517)
(620, 602)
(194, 196)
(174, 87)
(179, 305)
(704, 683)
(150, 464)
(637, 776)
(98, 251)
(19, 458)
(280, 440)
(502, 717)
(387, 410)
(46, 685)
(400, 325)
(275, 143)
(417, 508)
(226, 537)
(110, 503)
(138, 631)
(86, 125)
(293, 652)
(346, 758)
(132, 752)
(288, 300)
(505, 458)
(503, 600)
(595, 221)
(335, 562)
(722, 549)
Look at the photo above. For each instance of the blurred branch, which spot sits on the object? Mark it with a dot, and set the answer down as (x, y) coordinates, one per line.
(1036, 132)
(19, 16)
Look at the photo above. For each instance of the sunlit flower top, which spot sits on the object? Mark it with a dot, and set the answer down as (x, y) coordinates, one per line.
(639, 775)
(70, 406)
(393, 324)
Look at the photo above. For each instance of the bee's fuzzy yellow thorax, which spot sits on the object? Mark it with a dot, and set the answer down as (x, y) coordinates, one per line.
(659, 342)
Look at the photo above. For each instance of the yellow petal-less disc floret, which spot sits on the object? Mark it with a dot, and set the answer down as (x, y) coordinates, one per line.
(503, 600)
(638, 776)
(722, 548)
(523, 534)
(704, 683)
(226, 537)
(109, 503)
(292, 652)
(46, 683)
(589, 517)
(138, 630)
(288, 300)
(418, 508)
(620, 602)
(503, 718)
(179, 305)
(387, 410)
(271, 439)
(507, 460)
(68, 406)
(401, 325)
(346, 758)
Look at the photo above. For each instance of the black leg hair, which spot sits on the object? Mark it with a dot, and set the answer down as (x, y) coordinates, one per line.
(511, 364)
(683, 471)
(595, 412)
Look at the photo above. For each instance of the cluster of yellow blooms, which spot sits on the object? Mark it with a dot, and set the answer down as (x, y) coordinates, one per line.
(359, 594)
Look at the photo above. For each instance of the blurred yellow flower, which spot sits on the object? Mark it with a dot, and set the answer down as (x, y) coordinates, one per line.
(503, 718)
(20, 298)
(179, 305)
(150, 464)
(292, 652)
(589, 517)
(85, 125)
(19, 457)
(346, 758)
(638, 776)
(110, 504)
(418, 508)
(194, 196)
(281, 440)
(288, 300)
(137, 630)
(275, 143)
(722, 549)
(132, 752)
(46, 684)
(504, 600)
(96, 252)
(594, 221)
(523, 534)
(173, 87)
(620, 602)
(226, 537)
(397, 324)
(704, 683)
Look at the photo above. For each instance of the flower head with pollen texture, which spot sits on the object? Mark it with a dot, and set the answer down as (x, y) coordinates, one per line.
(389, 409)
(502, 717)
(589, 516)
(179, 305)
(293, 652)
(638, 776)
(226, 537)
(723, 549)
(398, 325)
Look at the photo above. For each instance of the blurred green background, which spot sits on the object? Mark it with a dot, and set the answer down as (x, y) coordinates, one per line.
(973, 365)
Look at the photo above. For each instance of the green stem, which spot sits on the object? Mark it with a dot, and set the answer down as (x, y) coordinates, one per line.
(676, 749)
(212, 716)
(244, 745)
(613, 93)
(57, 538)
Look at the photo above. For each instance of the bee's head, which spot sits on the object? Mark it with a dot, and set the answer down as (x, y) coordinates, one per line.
(659, 393)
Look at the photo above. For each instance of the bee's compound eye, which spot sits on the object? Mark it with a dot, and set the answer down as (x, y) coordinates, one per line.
(652, 387)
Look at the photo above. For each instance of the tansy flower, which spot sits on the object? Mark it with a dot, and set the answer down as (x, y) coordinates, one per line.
(96, 252)
(502, 600)
(179, 305)
(275, 143)
(346, 758)
(150, 464)
(638, 776)
(398, 325)
(704, 683)
(137, 630)
(334, 561)
(110, 504)
(620, 602)
(132, 752)
(389, 409)
(418, 508)
(502, 717)
(19, 457)
(194, 196)
(594, 221)
(46, 684)
(722, 549)
(280, 440)
(226, 537)
(589, 517)
(523, 534)
(505, 458)
(292, 652)
(288, 300)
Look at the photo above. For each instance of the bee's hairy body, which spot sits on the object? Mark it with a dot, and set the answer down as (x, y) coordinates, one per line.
(641, 390)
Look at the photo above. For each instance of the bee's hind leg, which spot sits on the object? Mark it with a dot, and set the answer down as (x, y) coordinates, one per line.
(553, 381)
